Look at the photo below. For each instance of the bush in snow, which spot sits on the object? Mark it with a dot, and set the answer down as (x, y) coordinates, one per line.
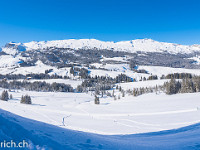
(26, 99)
(11, 97)
(123, 93)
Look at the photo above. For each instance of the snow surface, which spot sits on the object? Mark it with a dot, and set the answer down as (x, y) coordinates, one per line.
(118, 59)
(45, 136)
(128, 115)
(144, 45)
(159, 71)
(9, 61)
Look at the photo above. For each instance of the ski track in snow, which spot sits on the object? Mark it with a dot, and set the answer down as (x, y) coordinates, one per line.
(146, 114)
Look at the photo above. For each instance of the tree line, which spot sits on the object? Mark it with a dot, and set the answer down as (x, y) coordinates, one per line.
(36, 86)
(178, 83)
(24, 99)
(33, 76)
(102, 83)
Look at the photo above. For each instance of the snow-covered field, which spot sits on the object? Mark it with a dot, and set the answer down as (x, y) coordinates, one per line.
(129, 115)
(159, 71)
(45, 136)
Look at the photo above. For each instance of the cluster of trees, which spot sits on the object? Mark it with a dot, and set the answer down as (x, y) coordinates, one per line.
(101, 83)
(177, 76)
(142, 90)
(37, 86)
(123, 78)
(96, 83)
(5, 96)
(102, 93)
(152, 77)
(82, 72)
(121, 93)
(26, 99)
(169, 76)
(187, 85)
(48, 71)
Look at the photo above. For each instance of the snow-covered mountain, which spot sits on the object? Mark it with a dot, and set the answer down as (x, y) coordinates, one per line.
(144, 45)
(62, 53)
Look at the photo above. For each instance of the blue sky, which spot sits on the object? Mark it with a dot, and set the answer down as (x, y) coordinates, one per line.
(176, 21)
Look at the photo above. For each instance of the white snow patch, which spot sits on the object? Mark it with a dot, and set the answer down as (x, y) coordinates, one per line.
(158, 70)
(8, 61)
(196, 59)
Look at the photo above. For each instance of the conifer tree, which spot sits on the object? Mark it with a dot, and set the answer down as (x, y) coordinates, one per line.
(4, 95)
(123, 94)
(96, 100)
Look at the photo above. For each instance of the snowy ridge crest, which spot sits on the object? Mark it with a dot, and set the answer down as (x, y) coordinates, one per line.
(144, 45)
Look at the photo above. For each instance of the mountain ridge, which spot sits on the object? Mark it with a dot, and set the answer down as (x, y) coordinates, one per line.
(144, 45)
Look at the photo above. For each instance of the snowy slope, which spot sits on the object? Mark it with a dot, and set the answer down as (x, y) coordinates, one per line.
(9, 61)
(128, 115)
(145, 45)
(44, 136)
(159, 71)
(13, 48)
